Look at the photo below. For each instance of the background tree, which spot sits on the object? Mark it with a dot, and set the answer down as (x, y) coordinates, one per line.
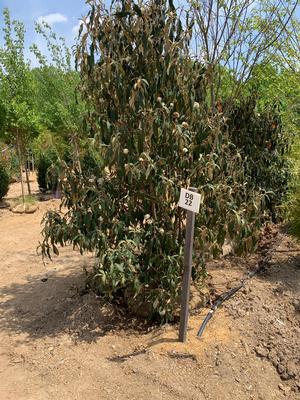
(20, 122)
(56, 82)
(234, 36)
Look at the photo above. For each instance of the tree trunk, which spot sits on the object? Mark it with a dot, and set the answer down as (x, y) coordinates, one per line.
(20, 165)
(212, 90)
(76, 159)
(27, 180)
(58, 191)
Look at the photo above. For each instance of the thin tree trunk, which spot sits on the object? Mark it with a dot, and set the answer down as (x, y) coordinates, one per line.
(58, 191)
(20, 165)
(76, 159)
(27, 180)
(212, 90)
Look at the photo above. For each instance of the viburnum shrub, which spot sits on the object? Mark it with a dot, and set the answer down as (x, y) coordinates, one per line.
(146, 108)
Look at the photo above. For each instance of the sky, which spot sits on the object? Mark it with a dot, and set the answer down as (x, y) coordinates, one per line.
(63, 15)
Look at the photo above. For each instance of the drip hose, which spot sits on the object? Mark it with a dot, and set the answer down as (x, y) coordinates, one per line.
(226, 295)
(218, 302)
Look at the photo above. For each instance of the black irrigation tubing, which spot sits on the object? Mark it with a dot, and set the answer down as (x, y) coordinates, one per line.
(226, 295)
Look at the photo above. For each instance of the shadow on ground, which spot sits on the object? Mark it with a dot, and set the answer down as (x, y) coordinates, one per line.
(284, 272)
(52, 306)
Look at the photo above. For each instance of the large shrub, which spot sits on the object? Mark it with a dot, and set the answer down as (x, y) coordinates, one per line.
(49, 149)
(292, 205)
(4, 181)
(264, 146)
(146, 101)
(47, 173)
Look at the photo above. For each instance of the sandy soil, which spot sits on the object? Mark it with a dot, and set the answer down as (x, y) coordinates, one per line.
(56, 343)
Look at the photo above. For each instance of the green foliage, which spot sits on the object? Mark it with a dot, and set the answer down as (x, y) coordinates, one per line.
(55, 84)
(49, 140)
(49, 150)
(91, 161)
(47, 174)
(4, 181)
(29, 199)
(292, 206)
(155, 132)
(55, 99)
(274, 84)
(264, 146)
(20, 122)
(8, 159)
(268, 115)
(293, 212)
(16, 85)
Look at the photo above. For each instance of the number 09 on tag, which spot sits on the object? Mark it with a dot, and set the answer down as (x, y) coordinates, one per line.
(189, 200)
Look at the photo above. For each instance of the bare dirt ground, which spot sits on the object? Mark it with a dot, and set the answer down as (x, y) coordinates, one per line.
(56, 343)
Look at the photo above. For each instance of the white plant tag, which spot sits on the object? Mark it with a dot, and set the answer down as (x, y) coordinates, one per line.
(189, 200)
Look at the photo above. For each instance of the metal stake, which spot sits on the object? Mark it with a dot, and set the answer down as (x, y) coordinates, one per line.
(187, 271)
